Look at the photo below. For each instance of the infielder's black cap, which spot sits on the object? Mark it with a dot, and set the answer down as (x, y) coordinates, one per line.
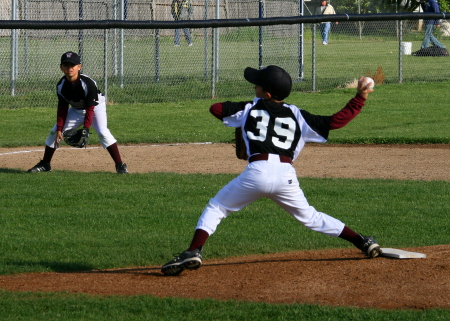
(272, 79)
(71, 57)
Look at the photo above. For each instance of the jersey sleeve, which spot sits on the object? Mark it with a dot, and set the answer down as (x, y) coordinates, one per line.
(92, 92)
(230, 108)
(61, 115)
(346, 114)
(217, 110)
(233, 114)
(319, 124)
(89, 117)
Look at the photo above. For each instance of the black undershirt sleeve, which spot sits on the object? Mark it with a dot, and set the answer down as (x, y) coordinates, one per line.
(320, 124)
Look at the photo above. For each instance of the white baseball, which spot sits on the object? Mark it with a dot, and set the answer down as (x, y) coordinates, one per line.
(368, 80)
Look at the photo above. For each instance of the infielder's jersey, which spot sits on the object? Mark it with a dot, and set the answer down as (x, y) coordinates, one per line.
(275, 128)
(80, 95)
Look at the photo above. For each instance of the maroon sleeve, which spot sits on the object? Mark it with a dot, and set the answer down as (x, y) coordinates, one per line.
(346, 114)
(216, 110)
(89, 116)
(61, 116)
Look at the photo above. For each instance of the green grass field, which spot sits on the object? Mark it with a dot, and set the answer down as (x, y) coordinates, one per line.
(396, 113)
(59, 223)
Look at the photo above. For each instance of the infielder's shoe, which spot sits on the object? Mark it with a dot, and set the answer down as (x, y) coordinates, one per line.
(121, 168)
(40, 167)
(369, 246)
(190, 260)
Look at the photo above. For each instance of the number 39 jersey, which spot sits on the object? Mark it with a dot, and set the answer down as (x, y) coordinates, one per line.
(275, 128)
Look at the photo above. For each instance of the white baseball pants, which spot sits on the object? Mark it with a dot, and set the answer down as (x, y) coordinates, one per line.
(270, 179)
(75, 118)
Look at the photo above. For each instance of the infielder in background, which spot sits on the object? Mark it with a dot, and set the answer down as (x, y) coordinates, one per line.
(87, 108)
(274, 134)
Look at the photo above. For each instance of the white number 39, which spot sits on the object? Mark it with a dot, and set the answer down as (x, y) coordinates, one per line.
(283, 126)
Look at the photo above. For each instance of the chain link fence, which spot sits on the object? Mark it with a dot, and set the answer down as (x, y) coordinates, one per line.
(144, 65)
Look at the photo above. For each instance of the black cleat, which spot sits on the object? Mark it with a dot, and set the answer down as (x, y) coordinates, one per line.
(190, 260)
(40, 167)
(121, 168)
(369, 246)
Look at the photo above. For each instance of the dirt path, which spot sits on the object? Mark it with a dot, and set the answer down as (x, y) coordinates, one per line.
(331, 277)
(409, 162)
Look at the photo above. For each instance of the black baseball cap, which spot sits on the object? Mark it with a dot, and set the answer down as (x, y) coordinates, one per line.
(71, 57)
(272, 79)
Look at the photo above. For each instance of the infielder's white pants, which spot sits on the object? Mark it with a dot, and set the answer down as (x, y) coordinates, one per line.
(75, 118)
(276, 181)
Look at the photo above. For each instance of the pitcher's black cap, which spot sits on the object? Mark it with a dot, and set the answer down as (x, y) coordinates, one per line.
(272, 79)
(71, 57)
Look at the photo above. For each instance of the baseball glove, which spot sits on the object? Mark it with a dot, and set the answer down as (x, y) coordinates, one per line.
(77, 137)
(239, 144)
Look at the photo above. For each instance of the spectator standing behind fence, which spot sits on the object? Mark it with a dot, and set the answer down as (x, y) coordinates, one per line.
(325, 8)
(433, 7)
(182, 10)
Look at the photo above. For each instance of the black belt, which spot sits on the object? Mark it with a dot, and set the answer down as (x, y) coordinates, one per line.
(260, 157)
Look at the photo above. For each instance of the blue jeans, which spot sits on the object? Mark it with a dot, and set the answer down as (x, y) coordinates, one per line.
(324, 29)
(187, 35)
(430, 38)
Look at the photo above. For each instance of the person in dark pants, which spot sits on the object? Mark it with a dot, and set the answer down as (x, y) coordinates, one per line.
(182, 10)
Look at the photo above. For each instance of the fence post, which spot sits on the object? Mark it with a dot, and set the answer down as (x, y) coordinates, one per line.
(400, 53)
(301, 41)
(26, 49)
(157, 55)
(313, 55)
(215, 53)
(13, 49)
(114, 51)
(260, 36)
(105, 64)
(80, 31)
(206, 30)
(122, 17)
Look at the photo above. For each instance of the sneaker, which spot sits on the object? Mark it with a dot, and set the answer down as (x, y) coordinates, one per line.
(190, 44)
(369, 246)
(121, 168)
(324, 43)
(190, 260)
(40, 167)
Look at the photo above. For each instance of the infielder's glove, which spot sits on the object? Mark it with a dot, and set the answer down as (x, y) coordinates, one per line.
(239, 144)
(77, 137)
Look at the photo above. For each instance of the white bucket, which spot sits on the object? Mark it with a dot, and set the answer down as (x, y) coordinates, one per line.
(406, 48)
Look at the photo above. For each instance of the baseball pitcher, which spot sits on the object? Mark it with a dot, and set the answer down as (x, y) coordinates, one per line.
(274, 133)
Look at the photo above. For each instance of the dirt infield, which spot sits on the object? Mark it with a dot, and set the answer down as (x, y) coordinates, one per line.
(332, 277)
(409, 162)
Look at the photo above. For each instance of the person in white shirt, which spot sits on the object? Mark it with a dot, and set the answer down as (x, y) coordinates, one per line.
(325, 8)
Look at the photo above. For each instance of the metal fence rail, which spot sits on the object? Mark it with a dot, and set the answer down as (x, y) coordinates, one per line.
(136, 61)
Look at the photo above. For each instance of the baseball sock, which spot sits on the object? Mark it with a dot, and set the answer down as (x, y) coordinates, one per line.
(48, 154)
(199, 239)
(114, 152)
(349, 235)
